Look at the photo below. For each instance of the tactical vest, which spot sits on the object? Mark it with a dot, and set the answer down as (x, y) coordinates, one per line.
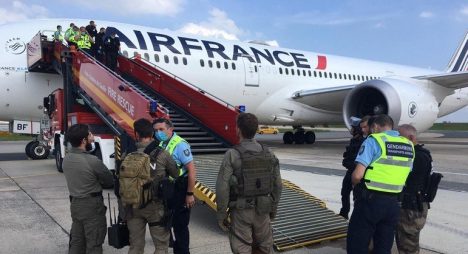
(389, 172)
(135, 180)
(255, 175)
(170, 147)
(84, 42)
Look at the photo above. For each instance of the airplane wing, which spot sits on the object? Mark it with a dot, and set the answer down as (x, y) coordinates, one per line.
(453, 80)
(329, 99)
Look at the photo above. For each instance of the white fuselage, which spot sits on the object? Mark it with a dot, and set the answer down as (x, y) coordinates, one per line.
(262, 78)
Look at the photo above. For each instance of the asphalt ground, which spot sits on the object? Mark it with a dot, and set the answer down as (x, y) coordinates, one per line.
(35, 207)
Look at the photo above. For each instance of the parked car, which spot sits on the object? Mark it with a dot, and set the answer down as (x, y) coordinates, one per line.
(267, 130)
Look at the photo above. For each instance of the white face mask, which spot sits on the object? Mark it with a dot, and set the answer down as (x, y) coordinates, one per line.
(90, 147)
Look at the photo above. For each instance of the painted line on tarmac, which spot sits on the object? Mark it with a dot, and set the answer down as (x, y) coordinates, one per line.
(25, 176)
(452, 173)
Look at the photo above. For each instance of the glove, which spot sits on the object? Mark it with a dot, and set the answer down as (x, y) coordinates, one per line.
(223, 225)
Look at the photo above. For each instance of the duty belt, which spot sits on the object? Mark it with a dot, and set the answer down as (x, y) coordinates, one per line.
(90, 195)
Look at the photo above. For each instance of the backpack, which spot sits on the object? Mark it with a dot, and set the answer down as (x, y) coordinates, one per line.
(254, 177)
(135, 180)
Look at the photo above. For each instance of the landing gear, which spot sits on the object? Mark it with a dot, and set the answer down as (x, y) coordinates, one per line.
(37, 150)
(300, 136)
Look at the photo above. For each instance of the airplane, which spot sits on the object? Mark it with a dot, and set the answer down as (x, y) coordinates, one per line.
(281, 86)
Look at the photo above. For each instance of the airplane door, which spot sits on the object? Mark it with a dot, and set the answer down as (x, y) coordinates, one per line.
(251, 73)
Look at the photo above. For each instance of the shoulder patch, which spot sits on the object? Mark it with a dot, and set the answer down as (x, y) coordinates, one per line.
(187, 152)
(361, 150)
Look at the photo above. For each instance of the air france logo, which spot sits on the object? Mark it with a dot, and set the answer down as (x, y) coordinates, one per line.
(412, 109)
(15, 46)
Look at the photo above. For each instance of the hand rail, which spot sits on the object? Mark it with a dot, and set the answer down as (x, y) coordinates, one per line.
(185, 81)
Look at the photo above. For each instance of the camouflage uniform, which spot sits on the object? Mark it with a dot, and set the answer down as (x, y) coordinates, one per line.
(153, 213)
(85, 174)
(414, 208)
(250, 218)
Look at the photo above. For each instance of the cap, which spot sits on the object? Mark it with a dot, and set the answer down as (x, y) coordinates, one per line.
(355, 121)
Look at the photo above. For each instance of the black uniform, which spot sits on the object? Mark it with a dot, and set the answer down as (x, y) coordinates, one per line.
(112, 46)
(414, 208)
(99, 46)
(348, 162)
(91, 30)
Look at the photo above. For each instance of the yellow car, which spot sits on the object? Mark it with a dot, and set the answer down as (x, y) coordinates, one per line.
(267, 130)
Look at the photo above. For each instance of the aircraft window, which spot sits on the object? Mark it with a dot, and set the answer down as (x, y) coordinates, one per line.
(210, 63)
(292, 71)
(146, 56)
(166, 59)
(339, 75)
(233, 66)
(349, 76)
(325, 74)
(156, 58)
(315, 74)
(135, 53)
(286, 71)
(320, 74)
(304, 73)
(218, 64)
(310, 73)
(125, 53)
(336, 76)
(226, 66)
(202, 63)
(176, 60)
(354, 77)
(358, 77)
(256, 69)
(280, 70)
(298, 72)
(184, 60)
(345, 77)
(367, 77)
(330, 75)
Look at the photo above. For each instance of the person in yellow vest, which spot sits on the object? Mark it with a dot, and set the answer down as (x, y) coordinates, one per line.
(383, 163)
(74, 36)
(185, 183)
(58, 36)
(84, 41)
(69, 33)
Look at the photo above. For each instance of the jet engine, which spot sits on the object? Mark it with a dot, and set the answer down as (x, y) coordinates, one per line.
(407, 101)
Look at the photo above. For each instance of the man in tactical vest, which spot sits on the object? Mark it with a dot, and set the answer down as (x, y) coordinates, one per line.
(153, 213)
(348, 160)
(414, 207)
(384, 161)
(86, 175)
(249, 184)
(185, 183)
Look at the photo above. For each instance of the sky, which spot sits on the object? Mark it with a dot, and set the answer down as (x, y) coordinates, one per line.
(421, 33)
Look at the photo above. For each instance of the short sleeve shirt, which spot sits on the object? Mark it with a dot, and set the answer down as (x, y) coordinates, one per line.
(370, 150)
(182, 154)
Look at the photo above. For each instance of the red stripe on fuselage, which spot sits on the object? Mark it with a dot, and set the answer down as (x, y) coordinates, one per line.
(322, 63)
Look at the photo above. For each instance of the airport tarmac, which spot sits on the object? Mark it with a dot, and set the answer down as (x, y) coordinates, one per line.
(35, 207)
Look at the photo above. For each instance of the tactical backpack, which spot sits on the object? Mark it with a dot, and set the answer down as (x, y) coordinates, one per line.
(135, 180)
(255, 176)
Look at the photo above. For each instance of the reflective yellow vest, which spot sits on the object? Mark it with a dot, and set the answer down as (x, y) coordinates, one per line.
(84, 42)
(170, 147)
(68, 33)
(389, 172)
(71, 36)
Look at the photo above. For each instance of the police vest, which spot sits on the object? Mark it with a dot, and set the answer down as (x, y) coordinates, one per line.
(170, 147)
(84, 42)
(389, 172)
(71, 36)
(68, 33)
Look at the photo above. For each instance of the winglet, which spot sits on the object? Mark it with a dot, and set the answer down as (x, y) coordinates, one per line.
(459, 60)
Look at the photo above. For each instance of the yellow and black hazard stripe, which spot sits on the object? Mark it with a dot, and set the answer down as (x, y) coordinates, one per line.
(205, 194)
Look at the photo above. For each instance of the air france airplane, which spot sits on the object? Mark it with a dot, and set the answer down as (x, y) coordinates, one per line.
(281, 86)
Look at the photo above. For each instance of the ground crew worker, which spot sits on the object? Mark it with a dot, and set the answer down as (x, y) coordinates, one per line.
(414, 208)
(348, 162)
(111, 48)
(251, 208)
(153, 213)
(383, 164)
(86, 175)
(85, 41)
(74, 37)
(185, 183)
(58, 36)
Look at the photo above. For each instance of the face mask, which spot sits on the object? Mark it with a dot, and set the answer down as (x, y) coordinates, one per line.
(90, 147)
(161, 136)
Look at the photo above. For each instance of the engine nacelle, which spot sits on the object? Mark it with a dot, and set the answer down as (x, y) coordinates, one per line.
(407, 101)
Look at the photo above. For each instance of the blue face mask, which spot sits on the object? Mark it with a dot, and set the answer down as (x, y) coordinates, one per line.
(161, 136)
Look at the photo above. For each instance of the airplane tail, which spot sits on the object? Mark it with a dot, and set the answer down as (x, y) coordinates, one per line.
(459, 60)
